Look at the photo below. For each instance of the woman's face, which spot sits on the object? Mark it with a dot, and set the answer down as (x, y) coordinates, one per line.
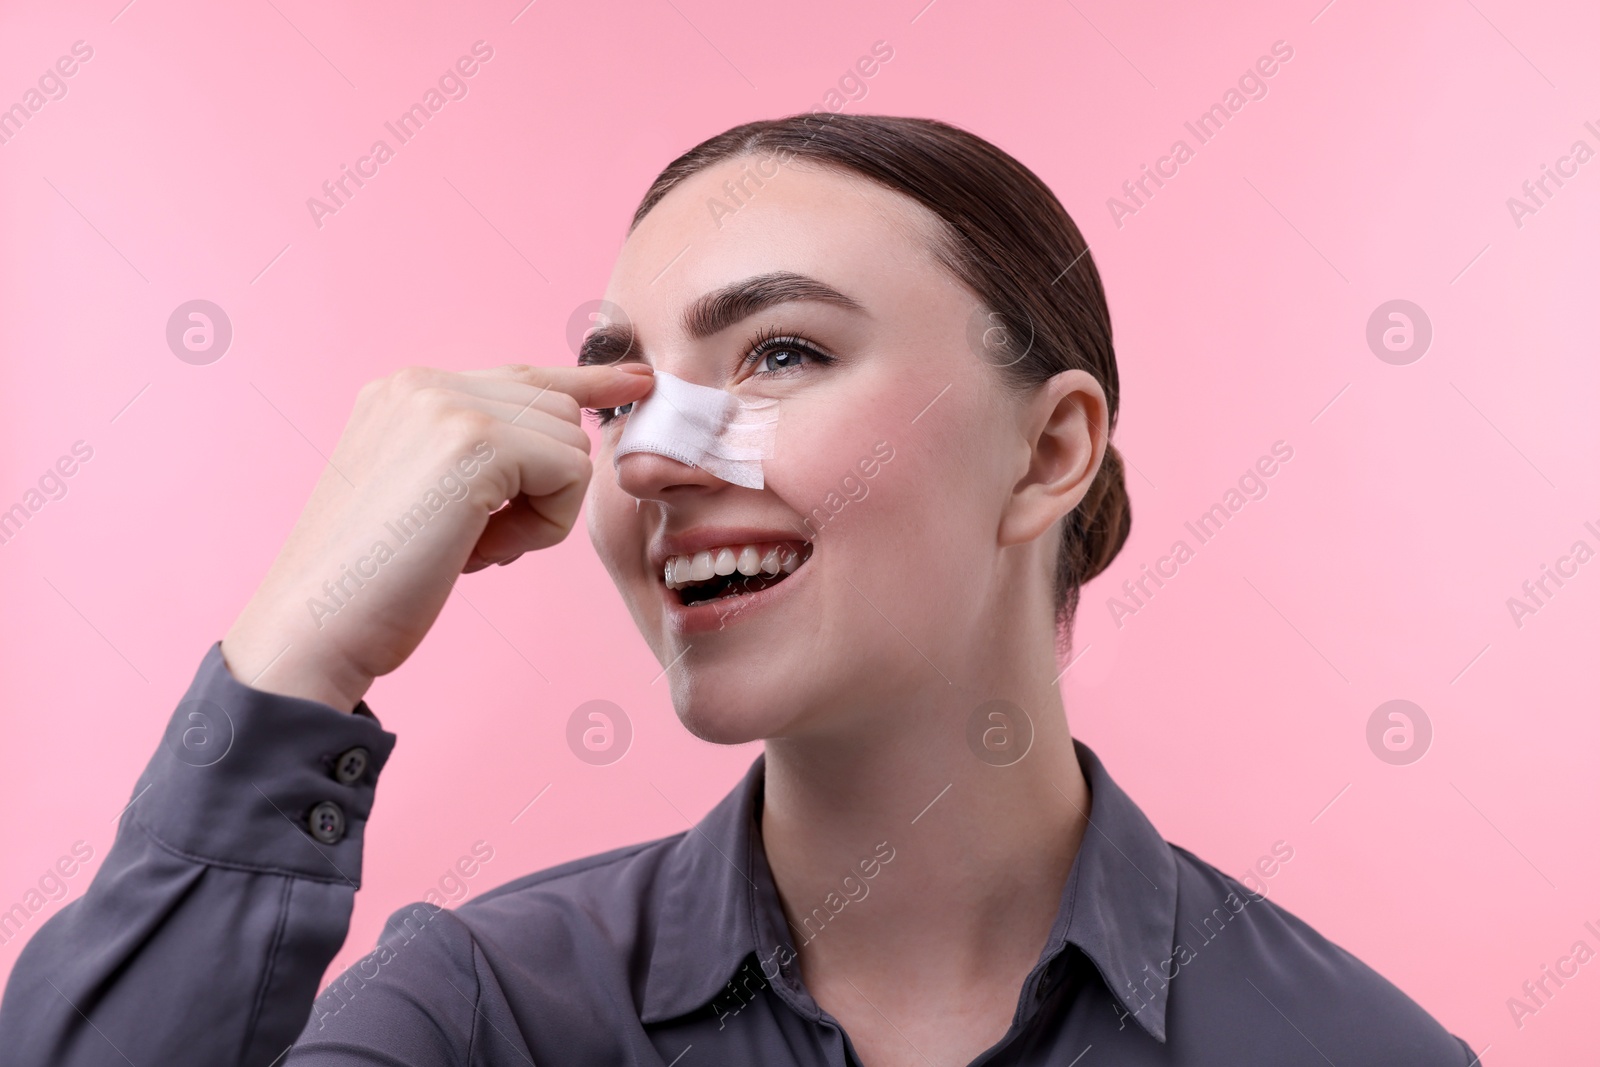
(893, 461)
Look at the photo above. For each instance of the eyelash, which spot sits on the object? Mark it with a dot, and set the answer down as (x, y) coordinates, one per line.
(763, 344)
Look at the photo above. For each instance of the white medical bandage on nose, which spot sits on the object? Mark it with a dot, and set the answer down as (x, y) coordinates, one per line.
(707, 428)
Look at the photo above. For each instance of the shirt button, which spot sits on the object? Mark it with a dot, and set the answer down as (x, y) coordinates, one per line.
(327, 823)
(350, 765)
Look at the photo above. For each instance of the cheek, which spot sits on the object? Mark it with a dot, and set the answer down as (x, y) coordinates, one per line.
(612, 517)
(816, 463)
(920, 531)
(861, 479)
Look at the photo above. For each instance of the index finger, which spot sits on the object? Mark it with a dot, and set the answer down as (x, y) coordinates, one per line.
(592, 387)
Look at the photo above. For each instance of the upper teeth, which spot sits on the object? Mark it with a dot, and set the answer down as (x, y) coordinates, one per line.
(748, 559)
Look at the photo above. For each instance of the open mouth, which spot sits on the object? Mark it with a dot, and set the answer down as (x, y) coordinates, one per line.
(733, 570)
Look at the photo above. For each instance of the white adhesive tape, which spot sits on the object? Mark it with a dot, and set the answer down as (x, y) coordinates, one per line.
(707, 428)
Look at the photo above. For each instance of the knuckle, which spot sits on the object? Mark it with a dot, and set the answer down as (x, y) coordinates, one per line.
(581, 442)
(580, 466)
(432, 398)
(569, 465)
(411, 379)
(562, 404)
(463, 427)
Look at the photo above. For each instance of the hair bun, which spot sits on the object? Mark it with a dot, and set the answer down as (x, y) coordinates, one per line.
(1107, 515)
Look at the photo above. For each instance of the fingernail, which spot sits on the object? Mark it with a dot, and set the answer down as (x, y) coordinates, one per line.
(635, 368)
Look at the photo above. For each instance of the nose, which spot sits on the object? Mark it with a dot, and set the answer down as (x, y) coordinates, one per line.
(648, 476)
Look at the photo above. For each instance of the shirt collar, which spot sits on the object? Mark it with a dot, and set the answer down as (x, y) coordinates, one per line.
(1120, 903)
(717, 904)
(706, 905)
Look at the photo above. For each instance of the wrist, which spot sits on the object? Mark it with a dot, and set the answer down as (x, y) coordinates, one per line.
(282, 668)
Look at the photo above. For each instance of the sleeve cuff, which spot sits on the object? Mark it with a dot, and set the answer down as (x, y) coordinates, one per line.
(262, 782)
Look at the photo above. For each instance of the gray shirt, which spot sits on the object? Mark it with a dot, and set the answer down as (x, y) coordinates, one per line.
(228, 890)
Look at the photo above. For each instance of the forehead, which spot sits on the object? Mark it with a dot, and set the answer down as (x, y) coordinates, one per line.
(736, 219)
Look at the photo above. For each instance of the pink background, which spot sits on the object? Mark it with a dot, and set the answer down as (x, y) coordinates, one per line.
(1233, 707)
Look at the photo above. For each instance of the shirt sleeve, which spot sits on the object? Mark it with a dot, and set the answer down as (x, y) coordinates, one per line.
(224, 897)
(425, 997)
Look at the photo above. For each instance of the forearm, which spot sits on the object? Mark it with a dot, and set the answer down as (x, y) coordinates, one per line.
(207, 928)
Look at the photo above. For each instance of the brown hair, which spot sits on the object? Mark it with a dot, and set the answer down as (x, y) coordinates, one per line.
(1009, 240)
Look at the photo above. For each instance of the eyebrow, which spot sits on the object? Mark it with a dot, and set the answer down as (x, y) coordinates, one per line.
(717, 310)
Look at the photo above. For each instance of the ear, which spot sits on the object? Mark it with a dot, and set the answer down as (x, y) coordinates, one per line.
(1065, 426)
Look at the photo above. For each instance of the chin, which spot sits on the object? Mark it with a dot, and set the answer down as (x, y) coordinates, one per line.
(729, 715)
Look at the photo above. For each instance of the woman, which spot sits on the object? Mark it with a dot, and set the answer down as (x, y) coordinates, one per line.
(922, 868)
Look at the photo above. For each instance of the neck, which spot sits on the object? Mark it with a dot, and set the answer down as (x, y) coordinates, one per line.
(908, 853)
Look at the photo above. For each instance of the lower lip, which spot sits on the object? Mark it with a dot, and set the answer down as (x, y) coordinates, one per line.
(708, 616)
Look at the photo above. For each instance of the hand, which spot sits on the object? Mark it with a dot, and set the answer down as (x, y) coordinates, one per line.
(437, 473)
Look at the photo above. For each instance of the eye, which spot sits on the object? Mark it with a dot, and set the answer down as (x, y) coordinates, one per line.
(605, 415)
(772, 355)
(780, 359)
